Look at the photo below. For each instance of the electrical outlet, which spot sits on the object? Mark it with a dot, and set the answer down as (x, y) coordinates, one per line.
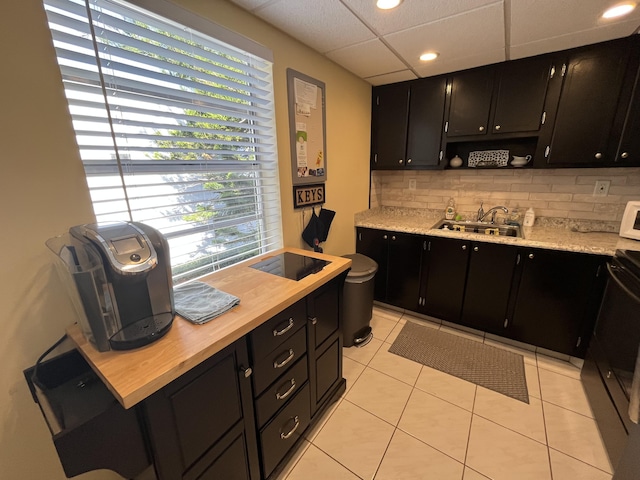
(602, 188)
(412, 184)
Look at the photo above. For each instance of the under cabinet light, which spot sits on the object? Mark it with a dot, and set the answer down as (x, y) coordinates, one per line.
(388, 4)
(619, 10)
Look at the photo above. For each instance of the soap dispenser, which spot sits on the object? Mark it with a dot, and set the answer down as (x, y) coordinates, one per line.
(450, 211)
(529, 218)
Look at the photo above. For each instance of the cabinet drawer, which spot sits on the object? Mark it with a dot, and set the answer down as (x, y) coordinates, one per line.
(274, 364)
(281, 391)
(276, 330)
(284, 430)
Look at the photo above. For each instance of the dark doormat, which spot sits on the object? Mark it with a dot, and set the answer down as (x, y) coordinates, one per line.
(484, 365)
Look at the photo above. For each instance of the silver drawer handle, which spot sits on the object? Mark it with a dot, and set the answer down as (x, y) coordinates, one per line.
(284, 436)
(277, 333)
(282, 396)
(285, 361)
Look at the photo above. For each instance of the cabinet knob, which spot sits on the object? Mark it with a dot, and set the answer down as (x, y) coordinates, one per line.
(497, 127)
(400, 161)
(246, 371)
(393, 237)
(598, 155)
(625, 154)
(313, 320)
(384, 237)
(475, 249)
(531, 255)
(464, 247)
(409, 160)
(481, 129)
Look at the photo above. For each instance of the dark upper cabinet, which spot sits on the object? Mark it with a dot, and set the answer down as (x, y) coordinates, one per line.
(389, 125)
(557, 299)
(628, 152)
(589, 101)
(406, 124)
(520, 93)
(398, 255)
(470, 102)
(426, 110)
(444, 278)
(489, 279)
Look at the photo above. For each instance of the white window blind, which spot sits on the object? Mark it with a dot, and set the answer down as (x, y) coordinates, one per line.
(175, 130)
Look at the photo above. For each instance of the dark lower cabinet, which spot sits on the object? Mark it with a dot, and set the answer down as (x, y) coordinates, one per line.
(398, 256)
(445, 273)
(489, 279)
(203, 422)
(557, 299)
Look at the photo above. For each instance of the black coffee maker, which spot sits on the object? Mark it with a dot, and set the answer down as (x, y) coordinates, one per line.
(122, 274)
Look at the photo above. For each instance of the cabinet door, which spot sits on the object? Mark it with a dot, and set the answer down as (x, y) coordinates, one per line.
(403, 277)
(199, 415)
(446, 278)
(489, 277)
(588, 103)
(389, 132)
(426, 111)
(373, 244)
(520, 95)
(557, 300)
(470, 102)
(628, 153)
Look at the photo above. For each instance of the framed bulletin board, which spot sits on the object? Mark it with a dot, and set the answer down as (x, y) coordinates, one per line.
(307, 128)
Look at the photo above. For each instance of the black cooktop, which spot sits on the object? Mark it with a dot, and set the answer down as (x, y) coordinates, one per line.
(290, 265)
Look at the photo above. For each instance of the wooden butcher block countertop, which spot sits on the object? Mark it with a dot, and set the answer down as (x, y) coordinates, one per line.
(133, 375)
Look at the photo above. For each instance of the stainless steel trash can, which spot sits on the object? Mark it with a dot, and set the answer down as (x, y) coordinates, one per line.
(358, 300)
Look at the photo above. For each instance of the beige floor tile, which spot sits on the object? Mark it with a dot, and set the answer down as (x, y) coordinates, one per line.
(364, 354)
(533, 381)
(528, 355)
(564, 467)
(313, 432)
(351, 370)
(387, 313)
(437, 423)
(564, 391)
(458, 330)
(286, 470)
(410, 459)
(559, 366)
(355, 438)
(513, 414)
(403, 369)
(381, 395)
(381, 327)
(575, 435)
(394, 333)
(473, 475)
(501, 454)
(315, 464)
(447, 387)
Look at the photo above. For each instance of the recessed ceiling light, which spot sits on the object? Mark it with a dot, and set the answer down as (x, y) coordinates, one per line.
(619, 10)
(428, 56)
(388, 4)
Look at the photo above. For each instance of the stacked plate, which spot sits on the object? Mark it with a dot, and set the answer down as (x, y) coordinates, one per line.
(489, 158)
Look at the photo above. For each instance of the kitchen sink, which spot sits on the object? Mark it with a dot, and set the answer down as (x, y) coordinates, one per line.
(484, 228)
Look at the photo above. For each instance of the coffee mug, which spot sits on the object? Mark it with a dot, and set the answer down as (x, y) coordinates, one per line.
(520, 161)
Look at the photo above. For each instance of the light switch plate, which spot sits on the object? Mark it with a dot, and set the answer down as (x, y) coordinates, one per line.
(412, 184)
(602, 188)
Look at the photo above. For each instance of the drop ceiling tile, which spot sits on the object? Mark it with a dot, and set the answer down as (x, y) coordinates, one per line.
(466, 35)
(438, 67)
(555, 19)
(394, 77)
(324, 26)
(367, 59)
(411, 13)
(573, 39)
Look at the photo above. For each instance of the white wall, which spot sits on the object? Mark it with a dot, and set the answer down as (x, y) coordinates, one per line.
(43, 192)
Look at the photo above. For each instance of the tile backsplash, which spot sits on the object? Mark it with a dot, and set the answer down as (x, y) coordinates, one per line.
(557, 193)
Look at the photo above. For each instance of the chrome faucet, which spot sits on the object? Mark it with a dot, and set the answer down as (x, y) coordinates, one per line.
(482, 215)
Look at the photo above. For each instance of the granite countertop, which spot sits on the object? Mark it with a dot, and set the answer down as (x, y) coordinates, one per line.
(557, 237)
